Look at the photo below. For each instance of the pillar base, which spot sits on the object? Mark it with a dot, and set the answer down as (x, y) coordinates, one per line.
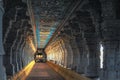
(16, 67)
(92, 71)
(109, 75)
(10, 69)
(2, 69)
(80, 71)
(8, 65)
(91, 74)
(3, 74)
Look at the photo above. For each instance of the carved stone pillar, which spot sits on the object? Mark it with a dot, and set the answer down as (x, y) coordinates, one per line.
(9, 45)
(111, 40)
(14, 59)
(21, 57)
(20, 53)
(76, 56)
(82, 54)
(93, 55)
(26, 56)
(2, 69)
(68, 54)
(91, 43)
(111, 44)
(62, 51)
(14, 55)
(65, 54)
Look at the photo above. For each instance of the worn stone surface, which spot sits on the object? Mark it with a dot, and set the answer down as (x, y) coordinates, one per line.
(42, 71)
(66, 73)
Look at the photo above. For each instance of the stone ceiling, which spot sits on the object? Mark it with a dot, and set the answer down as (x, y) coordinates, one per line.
(47, 14)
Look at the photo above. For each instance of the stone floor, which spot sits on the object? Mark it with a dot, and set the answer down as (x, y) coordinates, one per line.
(41, 71)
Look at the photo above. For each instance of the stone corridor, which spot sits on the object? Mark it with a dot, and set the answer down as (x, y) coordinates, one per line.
(41, 71)
(78, 37)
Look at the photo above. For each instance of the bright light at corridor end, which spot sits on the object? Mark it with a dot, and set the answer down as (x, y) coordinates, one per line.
(101, 56)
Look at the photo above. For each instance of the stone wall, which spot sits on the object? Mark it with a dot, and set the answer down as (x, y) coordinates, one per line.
(18, 37)
(92, 23)
(67, 73)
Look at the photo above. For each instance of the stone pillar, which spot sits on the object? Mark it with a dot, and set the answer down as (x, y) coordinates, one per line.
(82, 54)
(2, 69)
(61, 48)
(59, 52)
(111, 39)
(21, 58)
(68, 54)
(76, 56)
(19, 52)
(14, 55)
(9, 44)
(12, 52)
(11, 58)
(14, 62)
(25, 55)
(64, 52)
(91, 44)
(111, 44)
(93, 55)
(85, 55)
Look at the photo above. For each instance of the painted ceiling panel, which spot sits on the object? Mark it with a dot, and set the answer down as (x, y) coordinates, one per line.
(48, 15)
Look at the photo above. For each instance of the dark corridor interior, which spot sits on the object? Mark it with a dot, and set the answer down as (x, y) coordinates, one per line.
(74, 35)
